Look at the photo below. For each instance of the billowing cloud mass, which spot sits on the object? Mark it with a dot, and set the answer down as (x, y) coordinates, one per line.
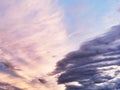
(95, 66)
(32, 39)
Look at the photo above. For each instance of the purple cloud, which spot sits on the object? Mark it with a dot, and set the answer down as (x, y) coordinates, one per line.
(95, 66)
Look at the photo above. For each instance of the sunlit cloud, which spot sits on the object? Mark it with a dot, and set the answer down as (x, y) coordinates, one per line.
(33, 38)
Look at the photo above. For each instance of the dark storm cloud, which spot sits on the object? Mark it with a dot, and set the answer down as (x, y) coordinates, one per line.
(91, 65)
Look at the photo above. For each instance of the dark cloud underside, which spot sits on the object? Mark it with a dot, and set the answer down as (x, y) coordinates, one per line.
(95, 66)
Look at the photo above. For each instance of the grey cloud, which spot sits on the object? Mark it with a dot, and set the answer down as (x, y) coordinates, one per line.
(42, 81)
(9, 69)
(95, 65)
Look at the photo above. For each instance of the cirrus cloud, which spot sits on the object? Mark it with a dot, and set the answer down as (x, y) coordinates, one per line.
(32, 39)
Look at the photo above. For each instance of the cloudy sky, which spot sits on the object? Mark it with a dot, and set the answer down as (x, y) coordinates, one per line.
(37, 34)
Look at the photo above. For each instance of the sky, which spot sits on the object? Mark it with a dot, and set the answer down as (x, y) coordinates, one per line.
(36, 34)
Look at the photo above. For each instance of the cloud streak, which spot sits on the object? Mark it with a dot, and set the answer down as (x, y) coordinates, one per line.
(4, 86)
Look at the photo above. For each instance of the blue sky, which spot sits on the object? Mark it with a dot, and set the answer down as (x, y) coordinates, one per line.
(38, 33)
(99, 8)
(85, 20)
(88, 15)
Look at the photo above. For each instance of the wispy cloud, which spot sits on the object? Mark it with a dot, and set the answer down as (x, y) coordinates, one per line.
(32, 38)
(112, 17)
(6, 86)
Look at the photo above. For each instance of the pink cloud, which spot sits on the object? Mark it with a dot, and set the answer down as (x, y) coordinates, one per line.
(28, 31)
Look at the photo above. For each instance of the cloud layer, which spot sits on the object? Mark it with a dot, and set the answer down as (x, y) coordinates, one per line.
(95, 66)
